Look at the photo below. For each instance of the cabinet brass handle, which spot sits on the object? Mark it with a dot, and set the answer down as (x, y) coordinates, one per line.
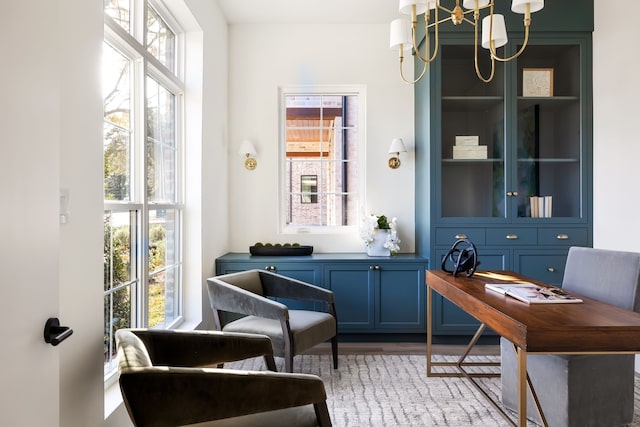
(551, 269)
(374, 267)
(512, 236)
(562, 236)
(461, 236)
(509, 193)
(270, 268)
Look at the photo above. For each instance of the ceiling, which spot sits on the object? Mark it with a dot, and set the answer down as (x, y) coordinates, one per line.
(310, 11)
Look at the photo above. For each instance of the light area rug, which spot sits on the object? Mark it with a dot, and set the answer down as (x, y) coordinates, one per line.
(394, 390)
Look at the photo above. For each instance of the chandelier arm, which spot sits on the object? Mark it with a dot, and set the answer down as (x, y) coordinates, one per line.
(517, 54)
(527, 23)
(427, 57)
(404, 79)
(493, 62)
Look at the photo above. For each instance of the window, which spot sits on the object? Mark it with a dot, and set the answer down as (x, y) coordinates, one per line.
(309, 188)
(321, 140)
(142, 171)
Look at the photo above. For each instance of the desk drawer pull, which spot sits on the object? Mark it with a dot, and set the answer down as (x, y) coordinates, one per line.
(562, 236)
(461, 236)
(551, 269)
(512, 236)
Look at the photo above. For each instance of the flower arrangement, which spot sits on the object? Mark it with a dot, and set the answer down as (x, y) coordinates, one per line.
(372, 223)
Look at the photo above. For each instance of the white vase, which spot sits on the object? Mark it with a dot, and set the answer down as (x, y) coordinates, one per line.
(376, 248)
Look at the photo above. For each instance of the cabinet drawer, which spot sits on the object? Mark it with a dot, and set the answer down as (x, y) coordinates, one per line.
(563, 236)
(448, 236)
(515, 236)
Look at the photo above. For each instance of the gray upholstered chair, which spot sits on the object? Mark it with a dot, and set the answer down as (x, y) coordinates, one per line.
(583, 390)
(165, 381)
(252, 293)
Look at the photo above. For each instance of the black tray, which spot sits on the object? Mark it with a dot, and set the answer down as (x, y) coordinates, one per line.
(281, 250)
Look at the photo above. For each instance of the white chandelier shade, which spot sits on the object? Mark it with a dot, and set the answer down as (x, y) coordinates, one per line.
(400, 35)
(498, 31)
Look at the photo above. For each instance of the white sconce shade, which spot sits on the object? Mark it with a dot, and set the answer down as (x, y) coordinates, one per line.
(471, 4)
(396, 147)
(499, 31)
(247, 149)
(400, 34)
(520, 6)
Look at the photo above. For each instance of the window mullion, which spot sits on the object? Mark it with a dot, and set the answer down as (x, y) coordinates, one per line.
(141, 186)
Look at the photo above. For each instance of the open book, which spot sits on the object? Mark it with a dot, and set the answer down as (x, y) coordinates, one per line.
(532, 294)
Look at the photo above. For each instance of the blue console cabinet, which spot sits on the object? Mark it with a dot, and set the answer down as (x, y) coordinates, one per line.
(374, 295)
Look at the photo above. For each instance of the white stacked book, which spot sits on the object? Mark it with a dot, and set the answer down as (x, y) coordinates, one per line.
(467, 147)
(541, 206)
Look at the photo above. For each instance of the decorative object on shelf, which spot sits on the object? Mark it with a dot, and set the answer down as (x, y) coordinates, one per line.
(467, 147)
(494, 32)
(277, 249)
(248, 150)
(380, 235)
(396, 147)
(537, 82)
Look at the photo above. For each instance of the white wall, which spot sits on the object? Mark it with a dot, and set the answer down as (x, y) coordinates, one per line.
(265, 57)
(616, 95)
(81, 239)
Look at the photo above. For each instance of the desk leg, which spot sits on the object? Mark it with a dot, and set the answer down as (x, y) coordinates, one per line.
(522, 387)
(429, 331)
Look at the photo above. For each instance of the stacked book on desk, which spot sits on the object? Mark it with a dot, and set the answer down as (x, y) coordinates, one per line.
(467, 147)
(540, 206)
(532, 294)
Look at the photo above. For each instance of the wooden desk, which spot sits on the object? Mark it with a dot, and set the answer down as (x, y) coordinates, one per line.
(588, 327)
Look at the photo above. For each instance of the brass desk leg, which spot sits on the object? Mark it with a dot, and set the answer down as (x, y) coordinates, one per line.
(522, 387)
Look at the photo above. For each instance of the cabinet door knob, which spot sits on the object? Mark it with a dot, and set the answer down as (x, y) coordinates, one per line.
(551, 269)
(461, 236)
(270, 268)
(374, 267)
(512, 236)
(512, 193)
(562, 236)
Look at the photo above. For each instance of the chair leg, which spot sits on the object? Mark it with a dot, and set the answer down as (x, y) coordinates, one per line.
(288, 362)
(322, 414)
(334, 351)
(271, 364)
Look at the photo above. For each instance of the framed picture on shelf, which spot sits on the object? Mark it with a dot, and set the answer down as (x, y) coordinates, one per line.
(537, 82)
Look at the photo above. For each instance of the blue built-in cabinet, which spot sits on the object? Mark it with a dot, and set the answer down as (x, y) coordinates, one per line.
(536, 145)
(374, 295)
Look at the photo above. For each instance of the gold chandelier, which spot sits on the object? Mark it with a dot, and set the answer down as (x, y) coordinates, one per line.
(494, 32)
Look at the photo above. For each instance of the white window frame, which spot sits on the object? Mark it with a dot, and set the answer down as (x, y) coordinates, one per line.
(329, 90)
(133, 46)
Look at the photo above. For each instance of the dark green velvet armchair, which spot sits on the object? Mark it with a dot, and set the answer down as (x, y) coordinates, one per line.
(167, 380)
(252, 293)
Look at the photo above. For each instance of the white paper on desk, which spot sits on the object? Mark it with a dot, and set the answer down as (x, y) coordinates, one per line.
(532, 294)
(502, 288)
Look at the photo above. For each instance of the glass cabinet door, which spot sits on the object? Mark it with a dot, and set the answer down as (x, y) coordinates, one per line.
(548, 166)
(472, 157)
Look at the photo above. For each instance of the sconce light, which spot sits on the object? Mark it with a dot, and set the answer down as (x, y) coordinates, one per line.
(397, 147)
(248, 150)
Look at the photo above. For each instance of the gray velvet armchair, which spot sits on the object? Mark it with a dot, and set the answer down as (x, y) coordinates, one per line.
(165, 381)
(584, 390)
(252, 293)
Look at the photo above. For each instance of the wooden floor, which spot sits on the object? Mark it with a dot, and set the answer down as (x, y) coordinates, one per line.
(402, 348)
